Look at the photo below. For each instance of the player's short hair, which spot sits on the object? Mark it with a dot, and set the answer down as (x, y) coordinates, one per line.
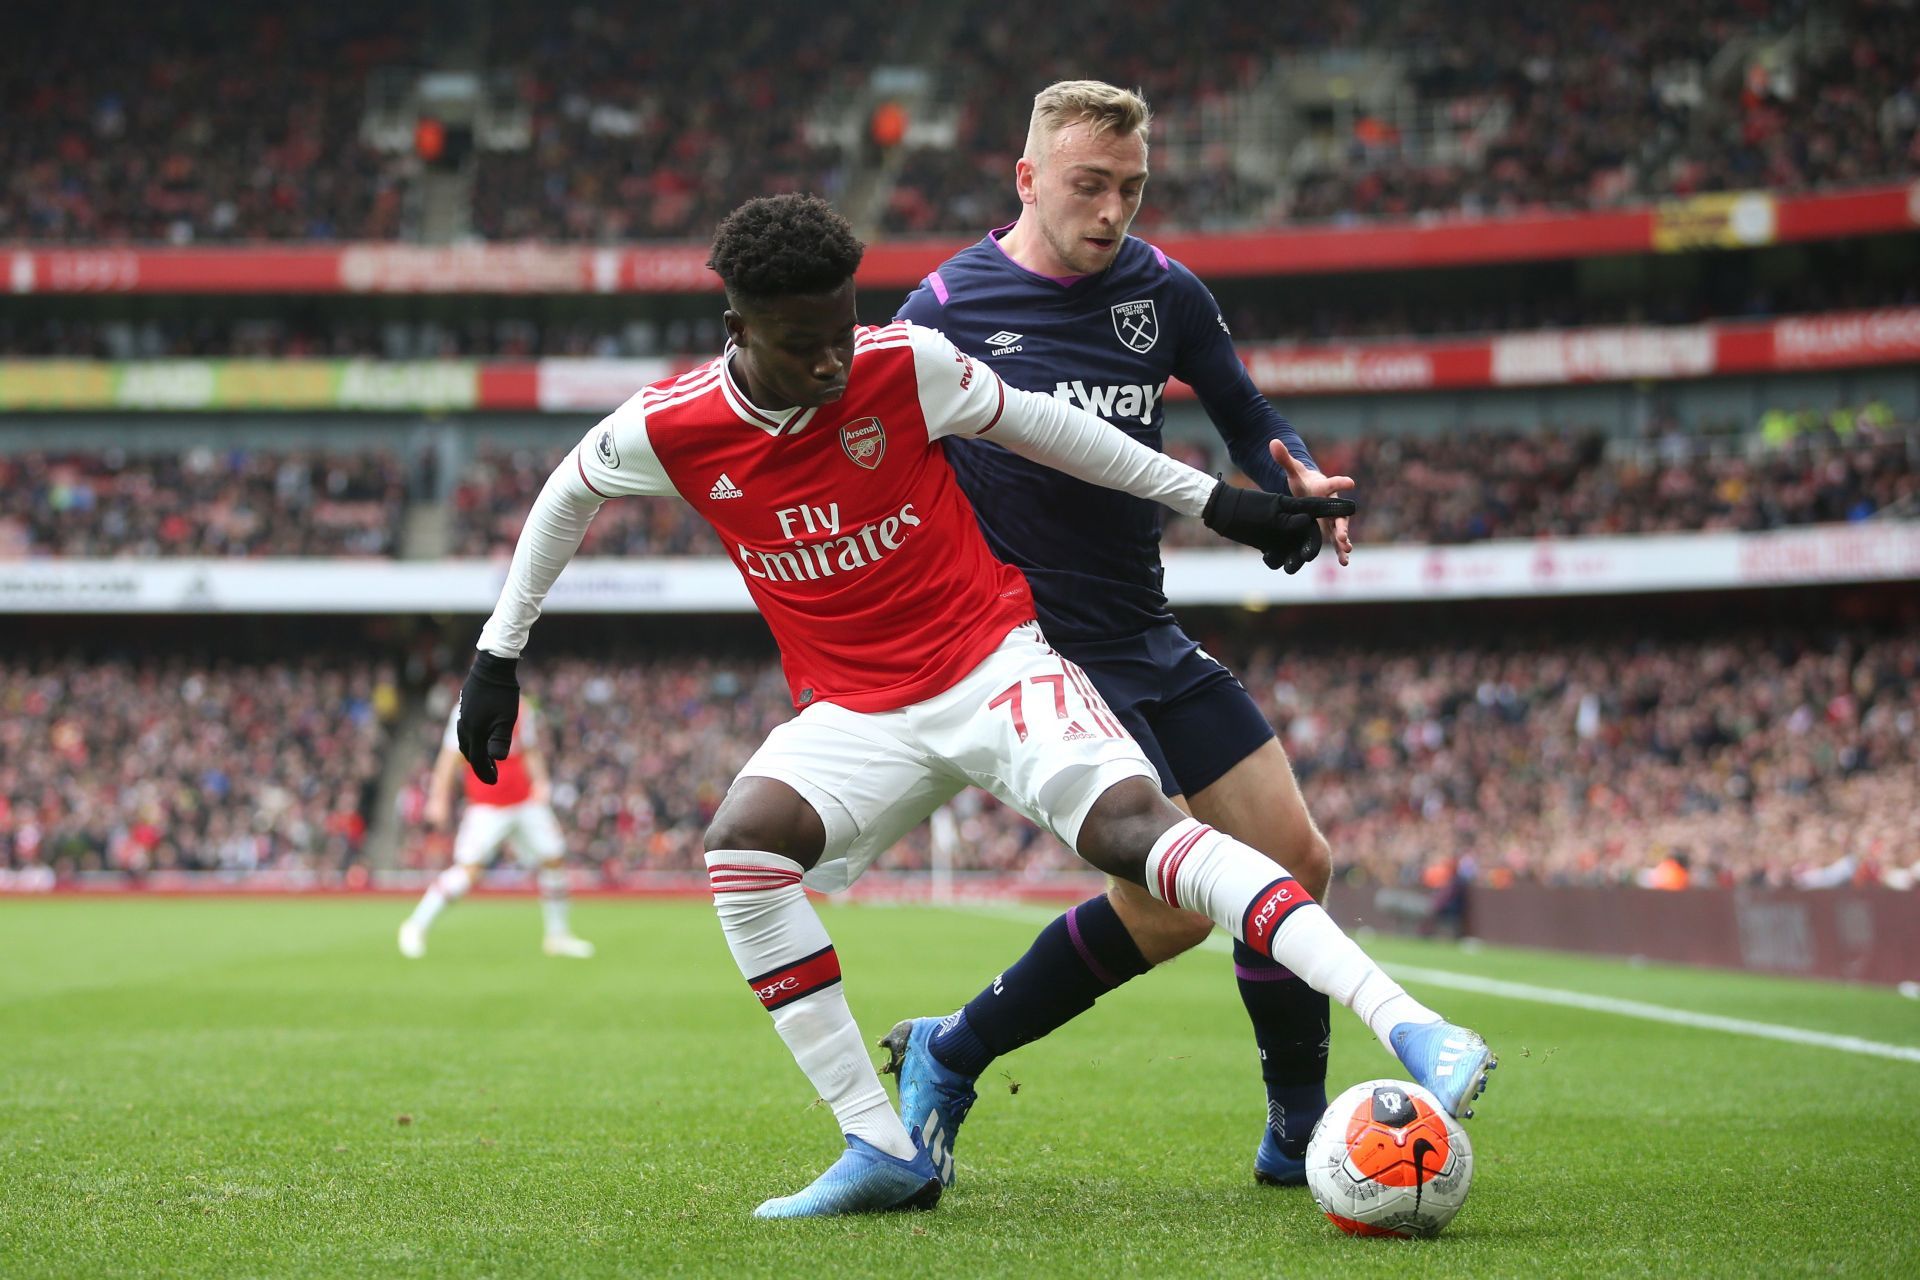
(776, 246)
(1104, 108)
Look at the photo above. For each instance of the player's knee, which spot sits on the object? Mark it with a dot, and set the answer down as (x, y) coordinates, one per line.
(1122, 826)
(768, 817)
(1311, 863)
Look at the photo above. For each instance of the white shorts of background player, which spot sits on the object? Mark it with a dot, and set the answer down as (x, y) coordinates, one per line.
(529, 827)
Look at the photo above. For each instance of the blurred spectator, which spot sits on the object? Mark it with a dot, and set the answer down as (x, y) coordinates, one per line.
(142, 766)
(204, 502)
(1756, 757)
(1553, 484)
(184, 123)
(1444, 489)
(179, 124)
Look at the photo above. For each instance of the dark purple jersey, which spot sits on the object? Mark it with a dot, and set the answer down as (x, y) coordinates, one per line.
(1107, 343)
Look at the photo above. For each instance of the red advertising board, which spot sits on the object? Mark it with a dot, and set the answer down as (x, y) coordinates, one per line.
(1698, 223)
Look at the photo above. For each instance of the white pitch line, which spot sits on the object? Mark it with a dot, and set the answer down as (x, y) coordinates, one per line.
(1655, 1013)
(1598, 1004)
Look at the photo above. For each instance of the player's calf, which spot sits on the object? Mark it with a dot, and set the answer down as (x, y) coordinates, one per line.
(1190, 865)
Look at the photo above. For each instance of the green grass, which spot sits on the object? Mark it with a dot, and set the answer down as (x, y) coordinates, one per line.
(235, 1088)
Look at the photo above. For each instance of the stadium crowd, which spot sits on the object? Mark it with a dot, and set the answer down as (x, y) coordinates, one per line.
(148, 765)
(141, 123)
(1445, 489)
(1477, 485)
(203, 502)
(1465, 487)
(1613, 104)
(1603, 105)
(1751, 757)
(641, 754)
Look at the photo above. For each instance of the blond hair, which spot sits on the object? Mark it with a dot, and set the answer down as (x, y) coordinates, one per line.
(1103, 107)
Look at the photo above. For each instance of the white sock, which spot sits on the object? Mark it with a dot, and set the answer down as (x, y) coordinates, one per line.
(784, 953)
(553, 900)
(1257, 901)
(449, 886)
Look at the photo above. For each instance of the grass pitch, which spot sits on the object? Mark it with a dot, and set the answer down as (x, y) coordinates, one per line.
(235, 1088)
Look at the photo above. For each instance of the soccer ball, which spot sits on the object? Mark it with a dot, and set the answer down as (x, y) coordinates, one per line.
(1387, 1160)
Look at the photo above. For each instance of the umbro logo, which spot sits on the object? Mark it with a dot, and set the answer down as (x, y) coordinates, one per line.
(1003, 343)
(724, 488)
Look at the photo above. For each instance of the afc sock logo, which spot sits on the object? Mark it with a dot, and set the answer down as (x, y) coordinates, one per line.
(1271, 906)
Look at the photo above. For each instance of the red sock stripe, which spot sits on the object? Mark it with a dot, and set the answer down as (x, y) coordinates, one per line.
(1271, 906)
(1170, 865)
(1097, 705)
(728, 877)
(801, 978)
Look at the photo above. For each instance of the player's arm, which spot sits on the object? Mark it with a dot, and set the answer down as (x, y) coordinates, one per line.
(1261, 442)
(614, 460)
(961, 396)
(533, 753)
(446, 767)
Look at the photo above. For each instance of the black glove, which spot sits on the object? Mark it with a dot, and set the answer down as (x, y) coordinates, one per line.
(489, 704)
(1285, 528)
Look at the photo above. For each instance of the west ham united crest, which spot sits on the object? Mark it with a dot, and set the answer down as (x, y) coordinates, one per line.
(1136, 323)
(865, 442)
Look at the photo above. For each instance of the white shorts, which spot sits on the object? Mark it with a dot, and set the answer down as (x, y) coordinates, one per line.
(530, 826)
(1025, 725)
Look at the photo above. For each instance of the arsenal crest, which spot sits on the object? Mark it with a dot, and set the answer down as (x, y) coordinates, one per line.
(1136, 324)
(865, 442)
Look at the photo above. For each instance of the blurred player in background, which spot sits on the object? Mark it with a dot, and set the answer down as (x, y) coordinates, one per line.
(1065, 303)
(516, 808)
(811, 447)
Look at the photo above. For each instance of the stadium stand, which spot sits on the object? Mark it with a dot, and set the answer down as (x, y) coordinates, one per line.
(1760, 754)
(115, 135)
(1465, 487)
(204, 502)
(178, 123)
(143, 765)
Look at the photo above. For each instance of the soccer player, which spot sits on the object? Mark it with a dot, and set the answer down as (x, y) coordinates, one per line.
(1064, 301)
(514, 808)
(811, 447)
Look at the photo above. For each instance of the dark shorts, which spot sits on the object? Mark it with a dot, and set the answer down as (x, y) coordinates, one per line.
(1192, 716)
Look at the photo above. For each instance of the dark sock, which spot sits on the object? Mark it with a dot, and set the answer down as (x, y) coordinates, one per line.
(1077, 959)
(1290, 1024)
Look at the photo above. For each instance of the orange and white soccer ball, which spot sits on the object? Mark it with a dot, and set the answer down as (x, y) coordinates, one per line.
(1387, 1160)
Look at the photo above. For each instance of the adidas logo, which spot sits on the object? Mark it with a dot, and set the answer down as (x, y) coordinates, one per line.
(1075, 733)
(724, 488)
(934, 1137)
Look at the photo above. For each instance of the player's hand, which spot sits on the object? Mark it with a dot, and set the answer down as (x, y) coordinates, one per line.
(1284, 528)
(439, 814)
(489, 704)
(1308, 483)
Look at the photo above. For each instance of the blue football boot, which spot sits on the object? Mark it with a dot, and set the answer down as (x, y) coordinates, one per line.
(1450, 1062)
(864, 1179)
(934, 1098)
(1273, 1167)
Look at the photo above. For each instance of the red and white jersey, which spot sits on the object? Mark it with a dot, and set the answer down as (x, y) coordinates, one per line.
(845, 521)
(515, 785)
